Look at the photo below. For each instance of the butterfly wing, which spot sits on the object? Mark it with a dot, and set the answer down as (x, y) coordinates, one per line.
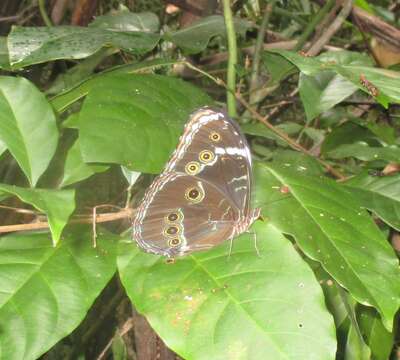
(203, 195)
(212, 148)
(180, 214)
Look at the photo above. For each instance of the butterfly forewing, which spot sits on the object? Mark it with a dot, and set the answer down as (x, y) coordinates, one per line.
(213, 145)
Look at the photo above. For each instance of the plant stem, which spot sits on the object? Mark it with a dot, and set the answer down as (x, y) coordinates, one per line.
(259, 48)
(232, 59)
(43, 13)
(313, 23)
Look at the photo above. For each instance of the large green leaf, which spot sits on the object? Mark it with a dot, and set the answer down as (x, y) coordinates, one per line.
(27, 126)
(32, 45)
(211, 306)
(195, 37)
(46, 291)
(380, 195)
(331, 227)
(136, 120)
(58, 205)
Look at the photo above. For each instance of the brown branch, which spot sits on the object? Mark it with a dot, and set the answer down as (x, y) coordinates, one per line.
(100, 218)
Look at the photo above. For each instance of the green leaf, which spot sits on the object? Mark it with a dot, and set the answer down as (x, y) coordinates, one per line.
(386, 82)
(130, 176)
(258, 129)
(356, 349)
(380, 195)
(211, 306)
(27, 126)
(127, 21)
(277, 66)
(33, 45)
(194, 38)
(380, 341)
(76, 169)
(298, 161)
(79, 72)
(136, 120)
(330, 226)
(362, 151)
(347, 133)
(46, 291)
(383, 132)
(58, 205)
(323, 91)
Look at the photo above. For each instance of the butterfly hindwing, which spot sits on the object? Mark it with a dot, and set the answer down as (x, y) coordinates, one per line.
(181, 214)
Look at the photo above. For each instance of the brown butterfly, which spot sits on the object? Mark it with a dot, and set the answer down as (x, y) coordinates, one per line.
(203, 195)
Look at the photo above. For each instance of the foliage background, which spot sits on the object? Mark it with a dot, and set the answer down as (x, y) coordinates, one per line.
(93, 98)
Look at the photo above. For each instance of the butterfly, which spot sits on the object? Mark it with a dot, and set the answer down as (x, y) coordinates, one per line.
(202, 197)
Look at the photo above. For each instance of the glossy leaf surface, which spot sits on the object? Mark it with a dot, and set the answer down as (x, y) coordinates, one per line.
(27, 128)
(331, 227)
(60, 283)
(237, 307)
(136, 110)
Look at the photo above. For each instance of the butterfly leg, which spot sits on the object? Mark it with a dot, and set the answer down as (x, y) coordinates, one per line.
(255, 242)
(230, 247)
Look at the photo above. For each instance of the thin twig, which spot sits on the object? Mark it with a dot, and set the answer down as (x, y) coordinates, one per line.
(100, 218)
(19, 210)
(232, 59)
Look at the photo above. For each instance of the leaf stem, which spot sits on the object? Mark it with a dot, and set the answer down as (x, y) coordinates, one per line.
(232, 58)
(43, 13)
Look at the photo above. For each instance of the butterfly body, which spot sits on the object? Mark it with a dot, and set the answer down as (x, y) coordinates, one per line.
(203, 195)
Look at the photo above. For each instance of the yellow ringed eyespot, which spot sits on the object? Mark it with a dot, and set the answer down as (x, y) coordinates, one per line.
(194, 194)
(214, 136)
(192, 168)
(206, 156)
(172, 231)
(174, 216)
(174, 242)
